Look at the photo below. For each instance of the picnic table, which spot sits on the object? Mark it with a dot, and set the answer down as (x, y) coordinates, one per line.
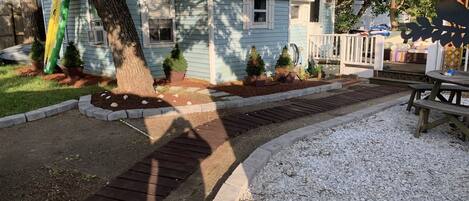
(452, 111)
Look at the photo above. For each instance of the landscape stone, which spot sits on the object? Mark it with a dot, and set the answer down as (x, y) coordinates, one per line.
(113, 116)
(12, 120)
(135, 113)
(101, 114)
(35, 115)
(220, 94)
(151, 112)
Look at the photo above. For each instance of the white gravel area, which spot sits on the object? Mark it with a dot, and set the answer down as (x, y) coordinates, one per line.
(376, 158)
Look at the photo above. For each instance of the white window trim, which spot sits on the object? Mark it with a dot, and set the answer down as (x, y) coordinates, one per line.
(146, 27)
(296, 20)
(93, 29)
(248, 15)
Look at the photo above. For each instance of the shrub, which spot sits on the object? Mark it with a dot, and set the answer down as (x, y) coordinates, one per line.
(37, 51)
(284, 61)
(314, 70)
(175, 61)
(72, 57)
(255, 65)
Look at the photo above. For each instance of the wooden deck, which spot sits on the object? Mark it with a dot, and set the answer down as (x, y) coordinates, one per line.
(155, 176)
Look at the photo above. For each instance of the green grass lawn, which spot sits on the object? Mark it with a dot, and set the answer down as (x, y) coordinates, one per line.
(23, 94)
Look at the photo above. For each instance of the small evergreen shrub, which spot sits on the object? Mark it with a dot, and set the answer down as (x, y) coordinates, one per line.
(37, 51)
(175, 61)
(313, 70)
(72, 57)
(255, 65)
(284, 61)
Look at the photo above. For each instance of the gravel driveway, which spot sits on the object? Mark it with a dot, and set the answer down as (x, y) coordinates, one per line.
(376, 158)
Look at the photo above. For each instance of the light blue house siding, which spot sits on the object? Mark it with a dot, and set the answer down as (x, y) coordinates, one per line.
(232, 42)
(326, 16)
(299, 36)
(191, 31)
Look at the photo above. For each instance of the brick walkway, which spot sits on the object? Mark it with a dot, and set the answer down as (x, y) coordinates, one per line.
(155, 176)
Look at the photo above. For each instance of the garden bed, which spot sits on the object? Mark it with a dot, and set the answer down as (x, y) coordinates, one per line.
(271, 88)
(106, 99)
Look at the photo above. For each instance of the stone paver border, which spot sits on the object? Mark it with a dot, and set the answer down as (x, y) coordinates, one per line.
(40, 113)
(246, 171)
(88, 109)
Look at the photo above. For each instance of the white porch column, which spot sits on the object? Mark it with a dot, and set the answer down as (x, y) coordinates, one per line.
(435, 57)
(379, 53)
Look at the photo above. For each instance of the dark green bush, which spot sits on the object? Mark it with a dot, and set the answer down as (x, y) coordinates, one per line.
(284, 61)
(71, 57)
(37, 51)
(313, 70)
(255, 65)
(175, 61)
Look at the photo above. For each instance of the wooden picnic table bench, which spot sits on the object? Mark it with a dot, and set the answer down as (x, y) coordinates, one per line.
(452, 113)
(418, 89)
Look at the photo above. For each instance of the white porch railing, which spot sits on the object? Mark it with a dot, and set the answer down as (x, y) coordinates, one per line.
(352, 51)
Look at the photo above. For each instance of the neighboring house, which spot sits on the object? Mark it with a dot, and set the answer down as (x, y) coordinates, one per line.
(216, 35)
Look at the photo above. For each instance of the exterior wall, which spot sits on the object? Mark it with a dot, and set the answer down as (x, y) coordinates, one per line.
(232, 42)
(299, 30)
(191, 31)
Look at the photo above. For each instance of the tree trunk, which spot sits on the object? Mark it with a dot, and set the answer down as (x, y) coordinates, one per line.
(132, 73)
(32, 20)
(393, 15)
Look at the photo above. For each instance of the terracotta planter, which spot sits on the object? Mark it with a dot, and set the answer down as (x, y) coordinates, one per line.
(290, 78)
(173, 76)
(37, 65)
(72, 71)
(257, 81)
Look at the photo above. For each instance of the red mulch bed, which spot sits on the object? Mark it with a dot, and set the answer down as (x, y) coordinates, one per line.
(135, 102)
(187, 82)
(61, 78)
(271, 88)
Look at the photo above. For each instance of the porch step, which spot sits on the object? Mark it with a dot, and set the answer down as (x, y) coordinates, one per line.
(399, 75)
(393, 82)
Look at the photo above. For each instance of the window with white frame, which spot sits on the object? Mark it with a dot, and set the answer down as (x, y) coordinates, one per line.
(96, 32)
(295, 12)
(158, 22)
(258, 13)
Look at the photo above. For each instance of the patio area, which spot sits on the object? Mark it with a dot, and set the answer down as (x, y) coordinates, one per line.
(376, 158)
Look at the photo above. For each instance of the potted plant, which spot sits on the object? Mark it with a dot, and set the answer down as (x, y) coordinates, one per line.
(37, 55)
(71, 63)
(315, 71)
(255, 69)
(175, 65)
(284, 67)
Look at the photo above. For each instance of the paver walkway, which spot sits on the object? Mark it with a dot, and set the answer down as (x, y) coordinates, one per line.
(154, 177)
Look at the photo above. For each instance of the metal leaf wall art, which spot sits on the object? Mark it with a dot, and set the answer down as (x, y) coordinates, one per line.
(455, 31)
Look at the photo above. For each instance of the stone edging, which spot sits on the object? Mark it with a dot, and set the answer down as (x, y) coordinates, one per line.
(246, 171)
(86, 108)
(40, 113)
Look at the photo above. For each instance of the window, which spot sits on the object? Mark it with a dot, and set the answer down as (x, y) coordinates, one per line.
(314, 14)
(260, 11)
(258, 14)
(158, 22)
(295, 11)
(96, 32)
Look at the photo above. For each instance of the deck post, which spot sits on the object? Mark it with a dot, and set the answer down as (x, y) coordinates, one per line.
(342, 54)
(379, 53)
